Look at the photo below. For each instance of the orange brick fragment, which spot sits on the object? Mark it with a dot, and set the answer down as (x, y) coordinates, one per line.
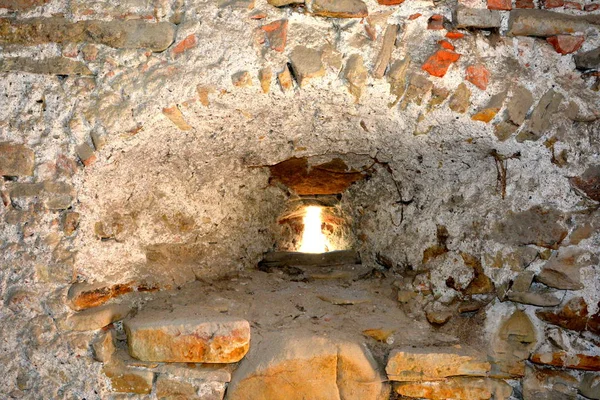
(390, 2)
(499, 5)
(573, 5)
(455, 35)
(276, 34)
(439, 62)
(436, 22)
(566, 44)
(186, 44)
(478, 75)
(446, 44)
(415, 16)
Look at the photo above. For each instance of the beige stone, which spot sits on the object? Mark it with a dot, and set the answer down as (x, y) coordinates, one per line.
(241, 79)
(385, 53)
(176, 116)
(356, 75)
(296, 367)
(461, 99)
(47, 66)
(187, 336)
(512, 345)
(264, 76)
(435, 363)
(172, 389)
(16, 160)
(104, 346)
(285, 79)
(128, 380)
(98, 317)
(519, 104)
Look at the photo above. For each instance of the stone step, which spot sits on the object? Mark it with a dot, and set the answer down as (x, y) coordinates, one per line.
(279, 259)
(187, 335)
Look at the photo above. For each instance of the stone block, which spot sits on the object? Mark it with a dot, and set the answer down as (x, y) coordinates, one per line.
(46, 66)
(125, 379)
(186, 336)
(481, 18)
(339, 8)
(306, 64)
(97, 317)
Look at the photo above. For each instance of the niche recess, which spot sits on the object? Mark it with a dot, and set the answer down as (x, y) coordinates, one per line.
(316, 187)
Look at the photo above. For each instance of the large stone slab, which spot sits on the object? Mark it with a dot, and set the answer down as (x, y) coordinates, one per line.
(185, 335)
(563, 359)
(543, 23)
(117, 33)
(297, 366)
(435, 363)
(291, 258)
(46, 66)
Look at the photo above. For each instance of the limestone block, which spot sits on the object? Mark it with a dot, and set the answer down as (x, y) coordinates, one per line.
(187, 337)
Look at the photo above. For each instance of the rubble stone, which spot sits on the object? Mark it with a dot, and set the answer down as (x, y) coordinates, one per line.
(306, 64)
(465, 17)
(588, 60)
(544, 23)
(356, 75)
(97, 317)
(339, 8)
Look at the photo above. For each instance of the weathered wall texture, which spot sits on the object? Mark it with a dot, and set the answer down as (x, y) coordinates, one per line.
(135, 140)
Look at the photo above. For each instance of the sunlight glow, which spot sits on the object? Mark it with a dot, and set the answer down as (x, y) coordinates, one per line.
(313, 239)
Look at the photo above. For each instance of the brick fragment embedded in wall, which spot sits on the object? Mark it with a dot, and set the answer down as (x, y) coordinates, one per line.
(505, 5)
(16, 160)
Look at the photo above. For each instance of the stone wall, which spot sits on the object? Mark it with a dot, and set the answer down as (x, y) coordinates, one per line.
(136, 139)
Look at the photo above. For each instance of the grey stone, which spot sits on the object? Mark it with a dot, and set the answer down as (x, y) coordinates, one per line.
(540, 120)
(547, 298)
(588, 60)
(536, 225)
(523, 281)
(461, 99)
(465, 17)
(590, 385)
(544, 23)
(306, 64)
(519, 104)
(561, 271)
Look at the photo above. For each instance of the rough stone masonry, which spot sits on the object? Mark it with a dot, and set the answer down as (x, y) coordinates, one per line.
(137, 145)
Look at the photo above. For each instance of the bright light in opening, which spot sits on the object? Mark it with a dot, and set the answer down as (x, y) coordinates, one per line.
(313, 240)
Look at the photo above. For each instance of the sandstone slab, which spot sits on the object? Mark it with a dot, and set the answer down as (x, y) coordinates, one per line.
(186, 336)
(435, 363)
(128, 34)
(300, 366)
(16, 160)
(567, 360)
(459, 388)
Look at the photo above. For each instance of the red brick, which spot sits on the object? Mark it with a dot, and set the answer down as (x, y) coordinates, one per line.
(439, 62)
(573, 5)
(415, 16)
(455, 35)
(186, 44)
(446, 44)
(499, 4)
(524, 4)
(478, 75)
(591, 7)
(276, 34)
(553, 3)
(566, 44)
